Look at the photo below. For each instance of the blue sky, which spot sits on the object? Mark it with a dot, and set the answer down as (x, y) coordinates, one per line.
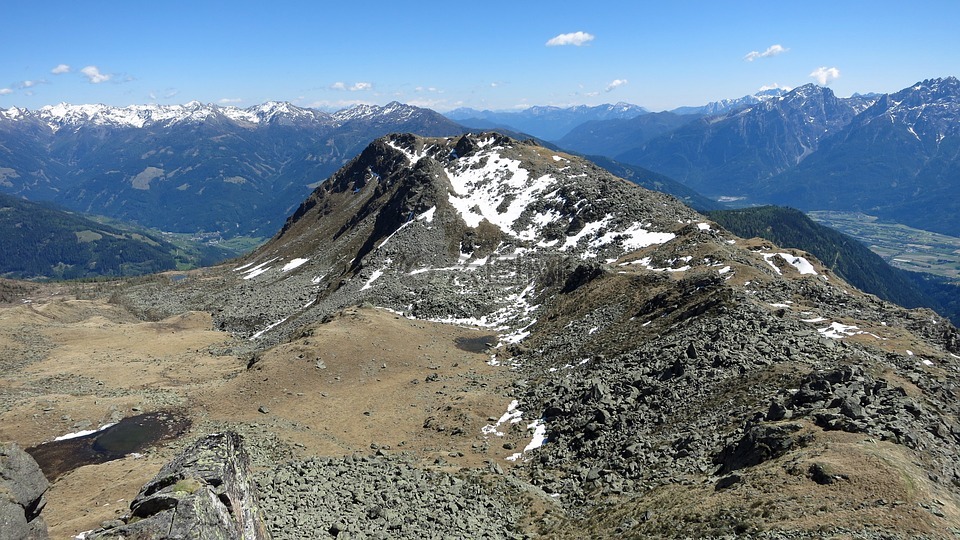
(443, 55)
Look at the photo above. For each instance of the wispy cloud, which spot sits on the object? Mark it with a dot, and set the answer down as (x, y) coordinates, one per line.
(227, 101)
(60, 69)
(824, 75)
(5, 91)
(29, 84)
(167, 94)
(355, 87)
(573, 38)
(336, 105)
(772, 50)
(94, 76)
(615, 84)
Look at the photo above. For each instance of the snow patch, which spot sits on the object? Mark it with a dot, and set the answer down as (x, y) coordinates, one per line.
(512, 416)
(83, 433)
(373, 277)
(428, 215)
(801, 264)
(293, 264)
(258, 269)
(270, 327)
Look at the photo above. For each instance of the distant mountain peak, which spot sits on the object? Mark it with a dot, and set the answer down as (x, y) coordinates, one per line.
(725, 105)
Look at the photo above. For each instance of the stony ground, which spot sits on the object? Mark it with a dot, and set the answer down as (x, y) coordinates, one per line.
(397, 394)
(371, 425)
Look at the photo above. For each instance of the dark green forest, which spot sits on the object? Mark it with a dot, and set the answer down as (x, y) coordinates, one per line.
(43, 241)
(844, 255)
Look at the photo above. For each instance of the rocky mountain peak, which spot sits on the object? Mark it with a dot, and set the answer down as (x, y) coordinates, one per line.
(927, 111)
(484, 214)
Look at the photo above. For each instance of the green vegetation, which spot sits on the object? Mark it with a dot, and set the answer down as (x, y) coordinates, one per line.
(43, 241)
(192, 250)
(846, 256)
(901, 246)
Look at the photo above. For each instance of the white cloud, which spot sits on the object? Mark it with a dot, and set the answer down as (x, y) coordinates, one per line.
(94, 75)
(772, 50)
(5, 91)
(231, 100)
(353, 88)
(573, 38)
(775, 86)
(824, 75)
(616, 83)
(61, 68)
(28, 84)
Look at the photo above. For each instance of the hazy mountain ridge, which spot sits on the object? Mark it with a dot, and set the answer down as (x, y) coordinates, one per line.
(891, 155)
(546, 122)
(727, 155)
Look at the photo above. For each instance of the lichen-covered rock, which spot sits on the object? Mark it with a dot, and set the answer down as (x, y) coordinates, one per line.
(22, 486)
(205, 493)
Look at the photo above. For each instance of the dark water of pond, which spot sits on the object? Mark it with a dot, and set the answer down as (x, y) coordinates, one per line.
(132, 434)
(477, 344)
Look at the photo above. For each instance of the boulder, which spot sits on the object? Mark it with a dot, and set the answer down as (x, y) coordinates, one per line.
(22, 486)
(207, 492)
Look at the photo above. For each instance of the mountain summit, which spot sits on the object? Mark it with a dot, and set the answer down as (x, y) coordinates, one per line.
(453, 229)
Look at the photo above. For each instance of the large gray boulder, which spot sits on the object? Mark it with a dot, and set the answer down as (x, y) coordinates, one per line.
(207, 493)
(22, 486)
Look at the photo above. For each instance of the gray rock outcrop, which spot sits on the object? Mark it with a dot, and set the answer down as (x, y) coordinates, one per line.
(22, 488)
(207, 492)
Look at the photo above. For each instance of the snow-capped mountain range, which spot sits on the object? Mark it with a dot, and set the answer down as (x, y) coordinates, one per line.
(65, 115)
(120, 161)
(192, 167)
(724, 105)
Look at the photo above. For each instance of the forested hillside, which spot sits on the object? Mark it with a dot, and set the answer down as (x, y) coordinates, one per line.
(38, 240)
